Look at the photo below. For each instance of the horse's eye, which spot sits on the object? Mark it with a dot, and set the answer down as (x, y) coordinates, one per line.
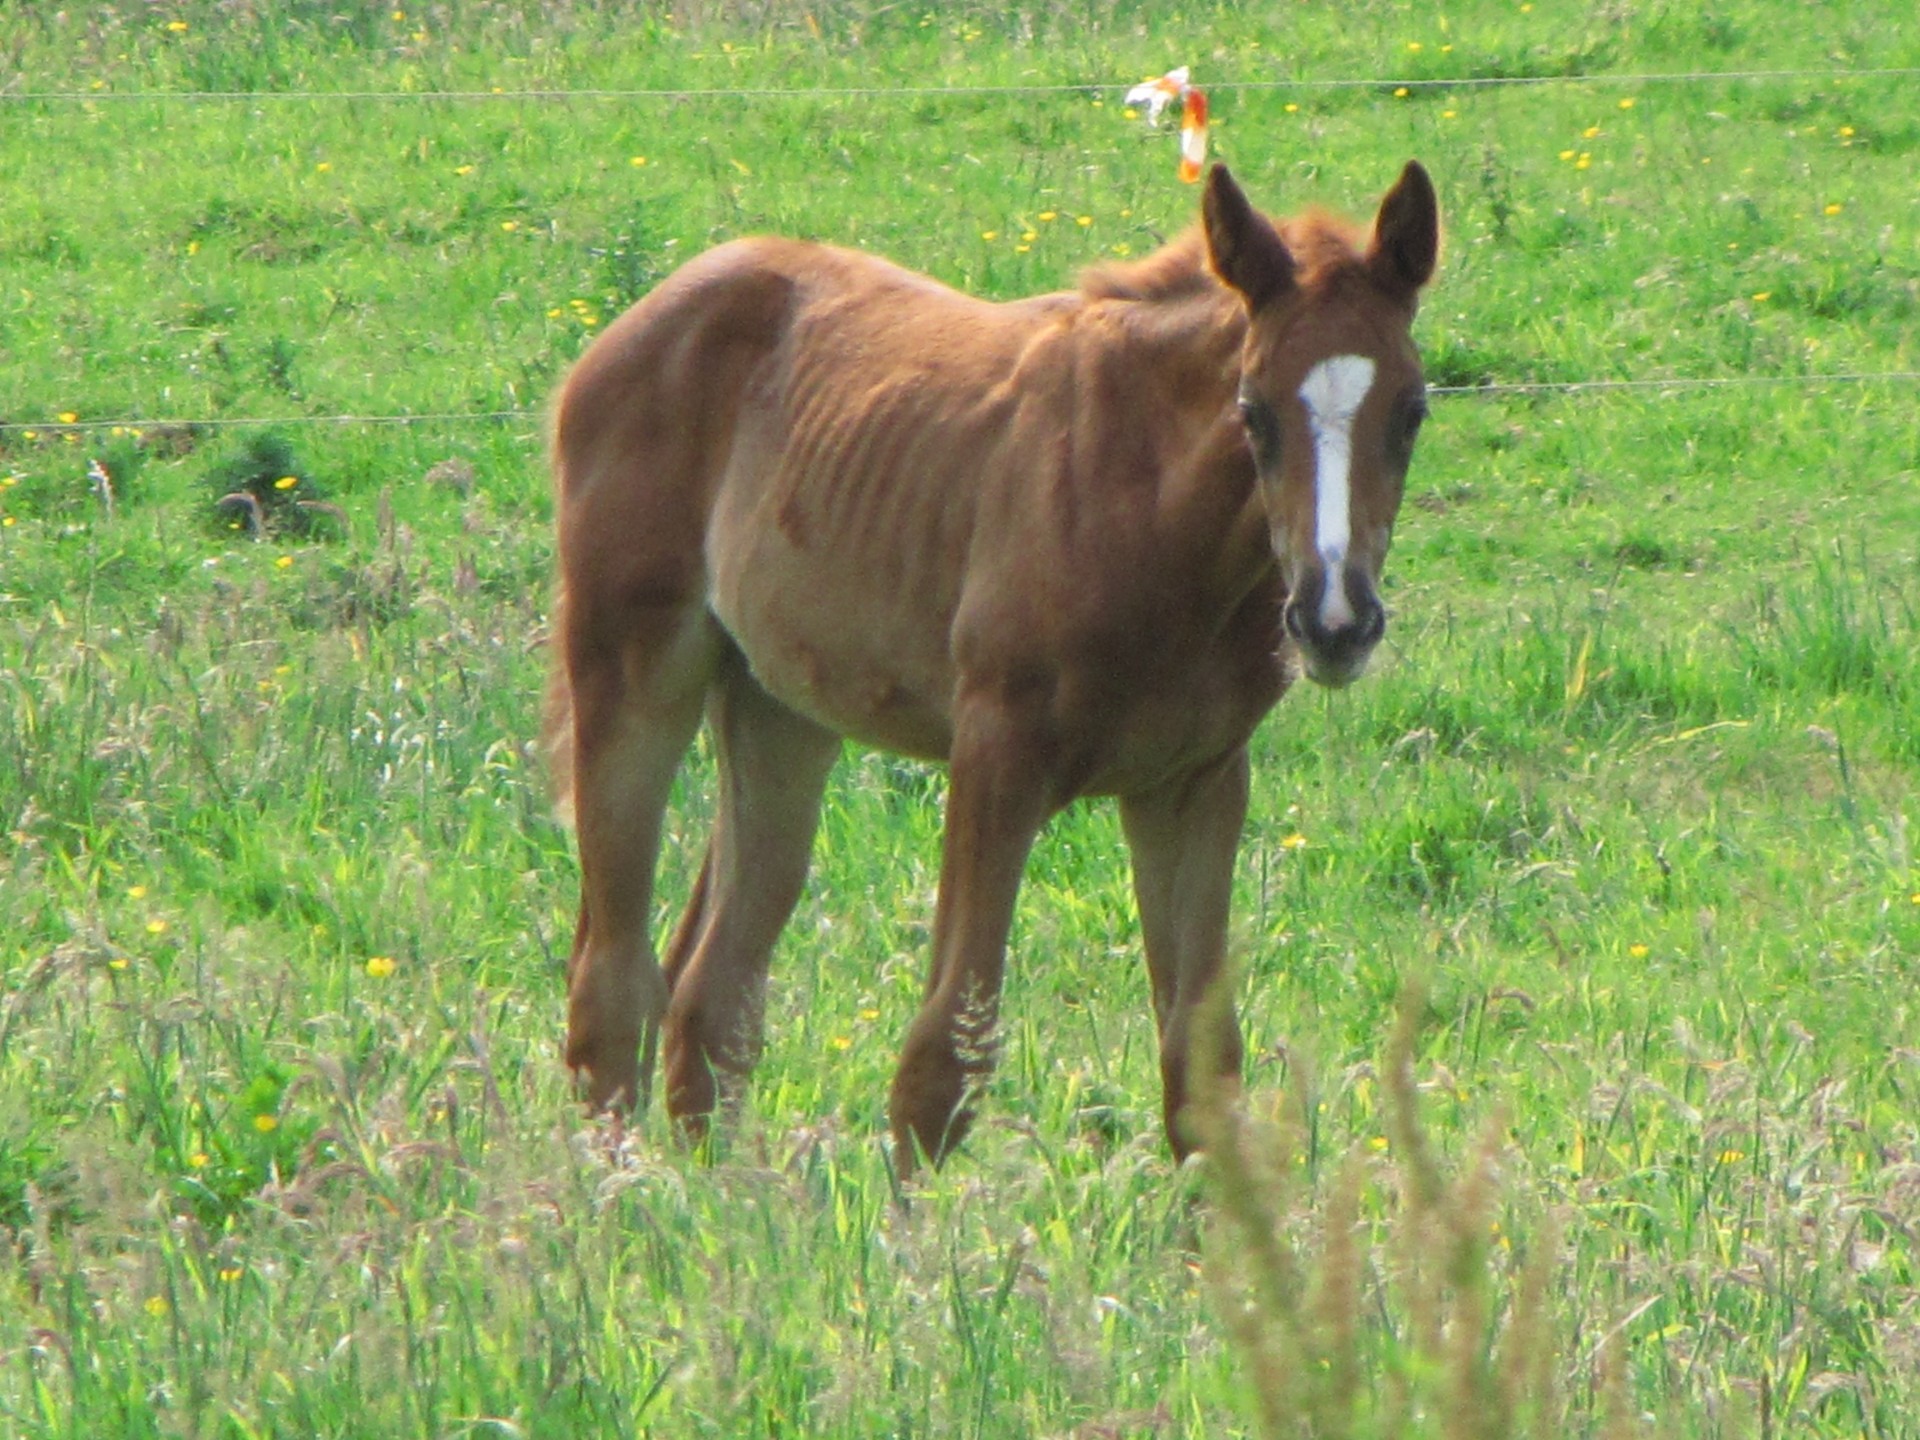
(1263, 429)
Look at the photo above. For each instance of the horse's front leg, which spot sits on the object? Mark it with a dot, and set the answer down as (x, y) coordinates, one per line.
(1184, 836)
(998, 797)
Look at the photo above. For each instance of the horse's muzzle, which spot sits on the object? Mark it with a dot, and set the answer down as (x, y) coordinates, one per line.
(1335, 640)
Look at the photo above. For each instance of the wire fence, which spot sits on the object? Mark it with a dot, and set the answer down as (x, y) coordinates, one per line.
(921, 92)
(1678, 384)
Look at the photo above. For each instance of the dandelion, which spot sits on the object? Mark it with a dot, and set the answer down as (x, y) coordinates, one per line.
(1846, 132)
(1584, 162)
(1589, 132)
(1083, 220)
(1627, 103)
(869, 1014)
(1760, 297)
(637, 161)
(463, 169)
(1378, 1142)
(1638, 951)
(1047, 217)
(1129, 114)
(1021, 249)
(1291, 108)
(1566, 154)
(67, 417)
(1029, 236)
(119, 962)
(283, 563)
(231, 1273)
(380, 966)
(286, 482)
(136, 892)
(555, 313)
(156, 926)
(1915, 897)
(1833, 208)
(178, 27)
(1295, 841)
(989, 234)
(1414, 47)
(266, 1124)
(156, 1305)
(841, 1042)
(1400, 92)
(1732, 1157)
(7, 482)
(1449, 114)
(7, 522)
(199, 1160)
(1446, 49)
(509, 225)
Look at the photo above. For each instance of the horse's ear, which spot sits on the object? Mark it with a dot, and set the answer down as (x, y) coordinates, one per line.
(1406, 233)
(1242, 245)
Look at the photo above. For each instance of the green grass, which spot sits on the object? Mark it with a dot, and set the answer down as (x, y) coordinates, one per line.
(285, 1144)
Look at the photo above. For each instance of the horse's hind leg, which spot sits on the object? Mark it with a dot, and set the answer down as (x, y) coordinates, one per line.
(773, 766)
(639, 680)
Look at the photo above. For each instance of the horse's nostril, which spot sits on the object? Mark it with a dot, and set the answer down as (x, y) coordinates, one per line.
(1373, 624)
(1296, 626)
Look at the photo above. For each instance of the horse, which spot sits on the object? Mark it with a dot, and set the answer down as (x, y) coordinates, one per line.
(1071, 545)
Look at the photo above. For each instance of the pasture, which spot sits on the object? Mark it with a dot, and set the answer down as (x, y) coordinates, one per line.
(286, 1147)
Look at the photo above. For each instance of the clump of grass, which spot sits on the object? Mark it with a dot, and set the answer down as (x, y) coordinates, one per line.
(1400, 1307)
(263, 489)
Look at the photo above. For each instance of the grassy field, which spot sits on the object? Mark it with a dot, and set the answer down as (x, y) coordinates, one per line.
(285, 1145)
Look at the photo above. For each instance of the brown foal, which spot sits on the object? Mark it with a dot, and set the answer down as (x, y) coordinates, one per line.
(1070, 545)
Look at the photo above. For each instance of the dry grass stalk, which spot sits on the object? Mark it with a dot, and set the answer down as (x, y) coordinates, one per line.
(1382, 1315)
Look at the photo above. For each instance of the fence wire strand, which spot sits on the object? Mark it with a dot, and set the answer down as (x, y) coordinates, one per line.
(923, 92)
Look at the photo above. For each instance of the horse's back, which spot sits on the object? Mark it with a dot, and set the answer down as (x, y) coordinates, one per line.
(796, 437)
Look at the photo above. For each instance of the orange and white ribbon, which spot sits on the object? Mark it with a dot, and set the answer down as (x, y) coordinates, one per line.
(1159, 93)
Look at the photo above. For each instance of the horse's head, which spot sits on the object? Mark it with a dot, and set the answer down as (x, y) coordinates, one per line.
(1331, 395)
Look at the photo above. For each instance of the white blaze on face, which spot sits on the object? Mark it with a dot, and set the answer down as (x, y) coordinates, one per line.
(1333, 392)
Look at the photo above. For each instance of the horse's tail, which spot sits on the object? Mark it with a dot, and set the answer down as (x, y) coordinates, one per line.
(556, 713)
(556, 716)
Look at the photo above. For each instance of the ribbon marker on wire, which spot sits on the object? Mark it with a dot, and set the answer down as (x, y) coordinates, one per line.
(1157, 94)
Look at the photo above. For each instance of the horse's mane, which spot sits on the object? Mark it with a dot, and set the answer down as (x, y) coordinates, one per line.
(1177, 269)
(1323, 246)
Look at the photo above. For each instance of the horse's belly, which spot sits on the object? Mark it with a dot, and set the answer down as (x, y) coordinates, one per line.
(851, 661)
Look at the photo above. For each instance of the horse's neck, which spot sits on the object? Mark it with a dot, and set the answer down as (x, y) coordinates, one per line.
(1186, 355)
